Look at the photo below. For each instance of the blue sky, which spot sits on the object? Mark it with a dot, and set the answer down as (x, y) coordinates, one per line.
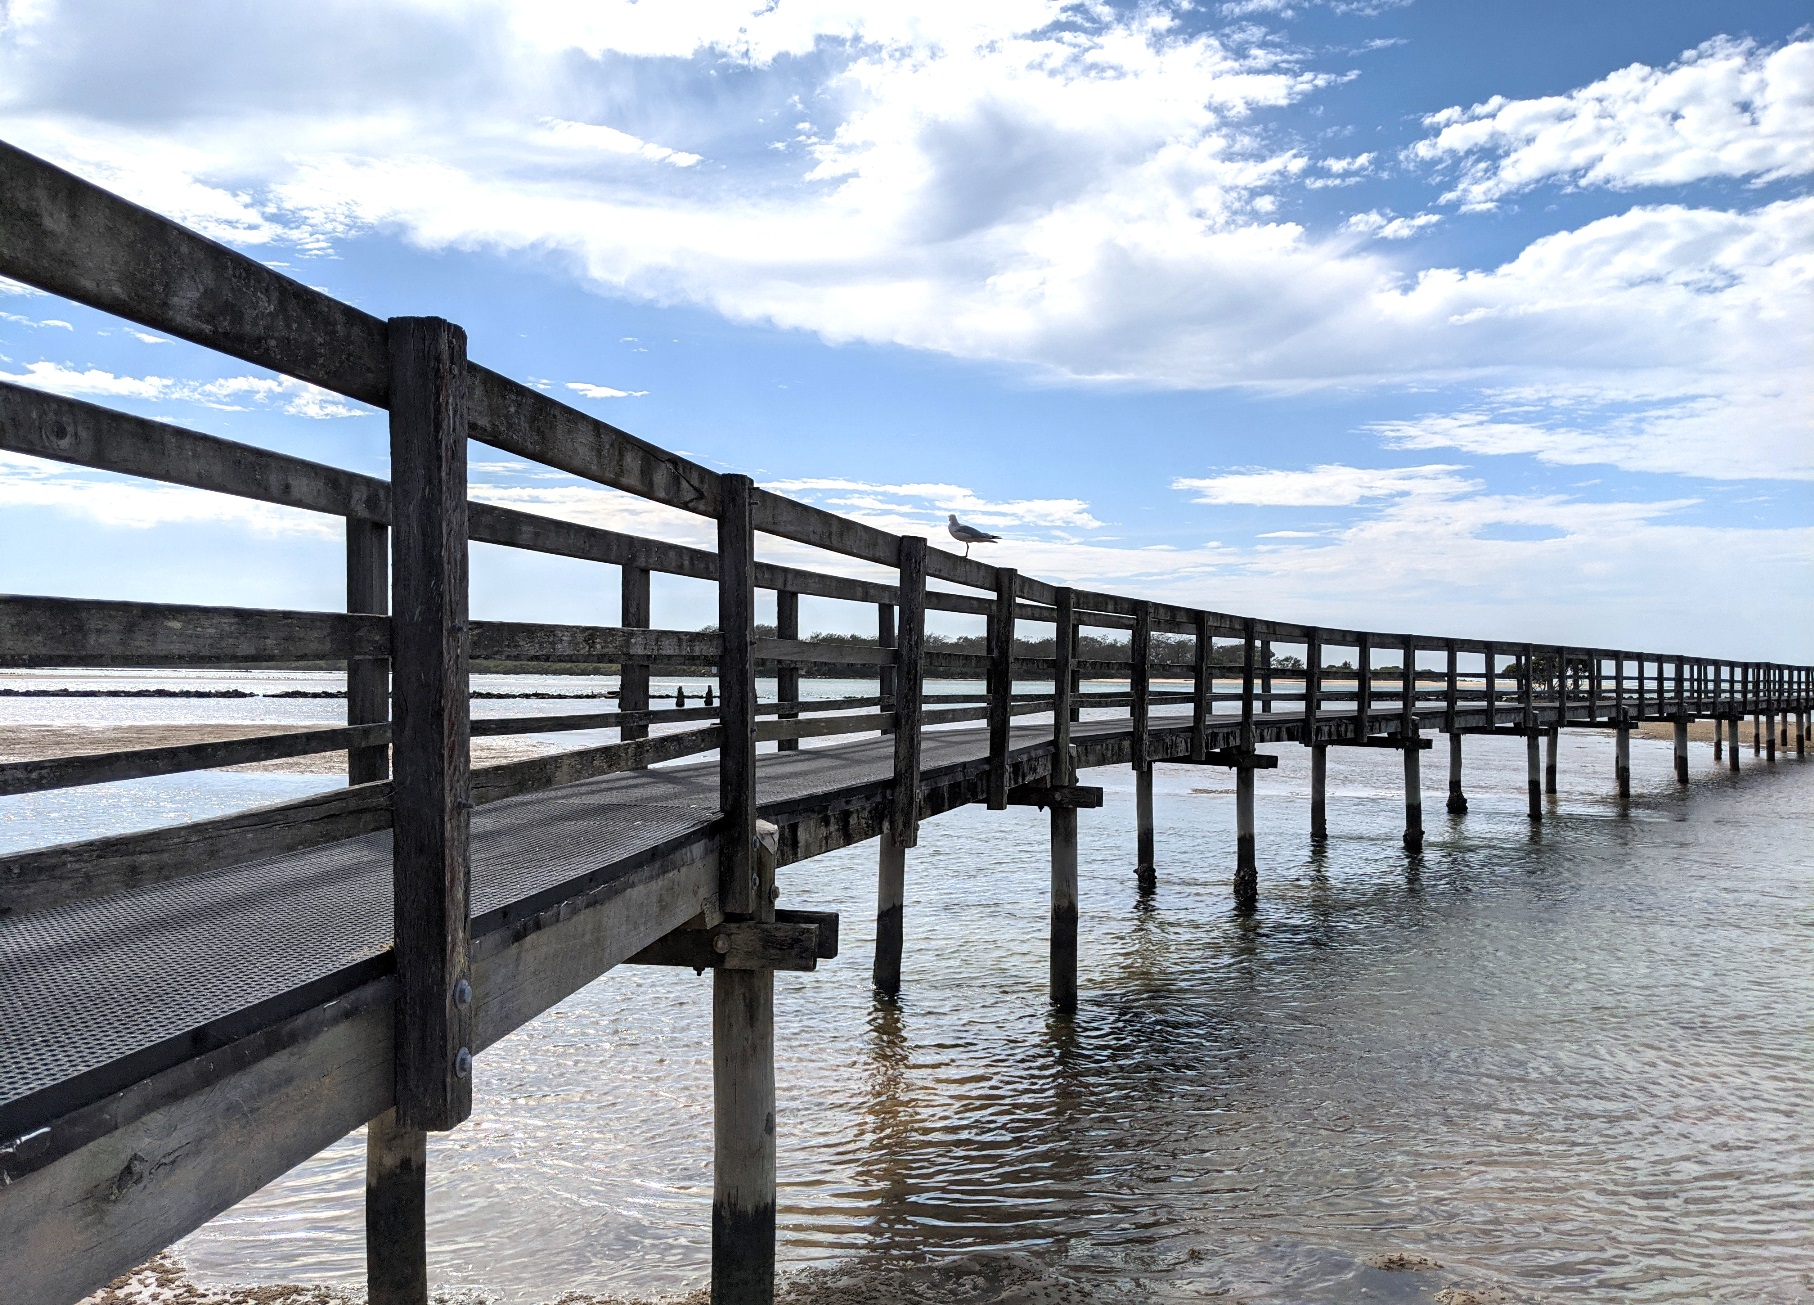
(1485, 319)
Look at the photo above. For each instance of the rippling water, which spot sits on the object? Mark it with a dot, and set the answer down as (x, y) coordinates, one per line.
(1576, 1062)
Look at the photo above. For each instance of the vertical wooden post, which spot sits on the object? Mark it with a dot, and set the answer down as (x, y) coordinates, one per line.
(1001, 685)
(1451, 697)
(885, 638)
(1319, 790)
(1719, 740)
(1062, 954)
(1139, 683)
(1203, 679)
(1622, 759)
(1409, 733)
(633, 680)
(891, 893)
(1681, 749)
(1247, 873)
(396, 1213)
(1458, 801)
(1593, 688)
(430, 830)
(1266, 676)
(743, 1130)
(1533, 761)
(787, 676)
(737, 887)
(1313, 684)
(910, 679)
(368, 693)
(1552, 738)
(1492, 687)
(1734, 707)
(1363, 688)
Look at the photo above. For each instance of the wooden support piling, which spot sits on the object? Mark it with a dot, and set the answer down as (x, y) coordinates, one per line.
(1247, 873)
(891, 895)
(1719, 739)
(1363, 688)
(1062, 968)
(787, 677)
(1139, 687)
(1622, 758)
(1551, 741)
(1319, 789)
(743, 1137)
(1413, 801)
(1681, 749)
(1533, 768)
(1313, 685)
(1770, 736)
(1458, 800)
(886, 638)
(396, 1213)
(635, 613)
(1732, 739)
(1203, 678)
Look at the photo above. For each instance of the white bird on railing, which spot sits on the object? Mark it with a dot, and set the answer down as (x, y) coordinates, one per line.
(968, 535)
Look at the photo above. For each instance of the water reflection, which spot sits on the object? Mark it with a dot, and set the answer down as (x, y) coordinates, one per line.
(1570, 1059)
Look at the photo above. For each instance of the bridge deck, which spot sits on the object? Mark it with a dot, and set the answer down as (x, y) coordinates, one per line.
(101, 994)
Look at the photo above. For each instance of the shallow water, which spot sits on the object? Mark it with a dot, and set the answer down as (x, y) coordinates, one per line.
(1572, 1062)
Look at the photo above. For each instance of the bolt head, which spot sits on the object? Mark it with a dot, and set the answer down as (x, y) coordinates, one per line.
(462, 993)
(463, 1062)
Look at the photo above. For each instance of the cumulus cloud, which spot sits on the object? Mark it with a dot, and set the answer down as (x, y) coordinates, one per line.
(227, 393)
(1078, 190)
(1728, 108)
(911, 506)
(603, 391)
(1332, 485)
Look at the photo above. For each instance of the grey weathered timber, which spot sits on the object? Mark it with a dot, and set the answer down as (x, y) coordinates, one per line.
(1681, 749)
(70, 237)
(1551, 740)
(368, 687)
(535, 641)
(1202, 687)
(1533, 775)
(891, 891)
(431, 825)
(1064, 634)
(1061, 968)
(513, 778)
(1146, 871)
(1001, 686)
(71, 872)
(1622, 759)
(904, 823)
(1458, 799)
(743, 1103)
(886, 639)
(141, 763)
(38, 631)
(1086, 797)
(787, 678)
(824, 726)
(1363, 686)
(739, 945)
(1140, 684)
(1413, 801)
(636, 613)
(1247, 872)
(396, 1212)
(1319, 790)
(737, 700)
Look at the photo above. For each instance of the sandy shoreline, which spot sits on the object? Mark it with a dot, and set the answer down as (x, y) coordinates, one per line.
(39, 742)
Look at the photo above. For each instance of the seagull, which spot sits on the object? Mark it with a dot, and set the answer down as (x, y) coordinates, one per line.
(968, 535)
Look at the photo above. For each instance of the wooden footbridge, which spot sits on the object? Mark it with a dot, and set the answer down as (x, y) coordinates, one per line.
(186, 1013)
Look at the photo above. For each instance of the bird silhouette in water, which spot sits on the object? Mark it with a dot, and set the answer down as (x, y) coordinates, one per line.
(968, 535)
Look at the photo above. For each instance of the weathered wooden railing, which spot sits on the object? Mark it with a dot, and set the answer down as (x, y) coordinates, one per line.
(407, 643)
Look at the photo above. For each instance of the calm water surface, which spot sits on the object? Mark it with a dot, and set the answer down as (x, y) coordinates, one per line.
(1574, 1063)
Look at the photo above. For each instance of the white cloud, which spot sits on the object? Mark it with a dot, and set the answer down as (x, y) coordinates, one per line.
(1090, 199)
(914, 506)
(1332, 485)
(228, 393)
(1728, 108)
(27, 482)
(1382, 224)
(603, 391)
